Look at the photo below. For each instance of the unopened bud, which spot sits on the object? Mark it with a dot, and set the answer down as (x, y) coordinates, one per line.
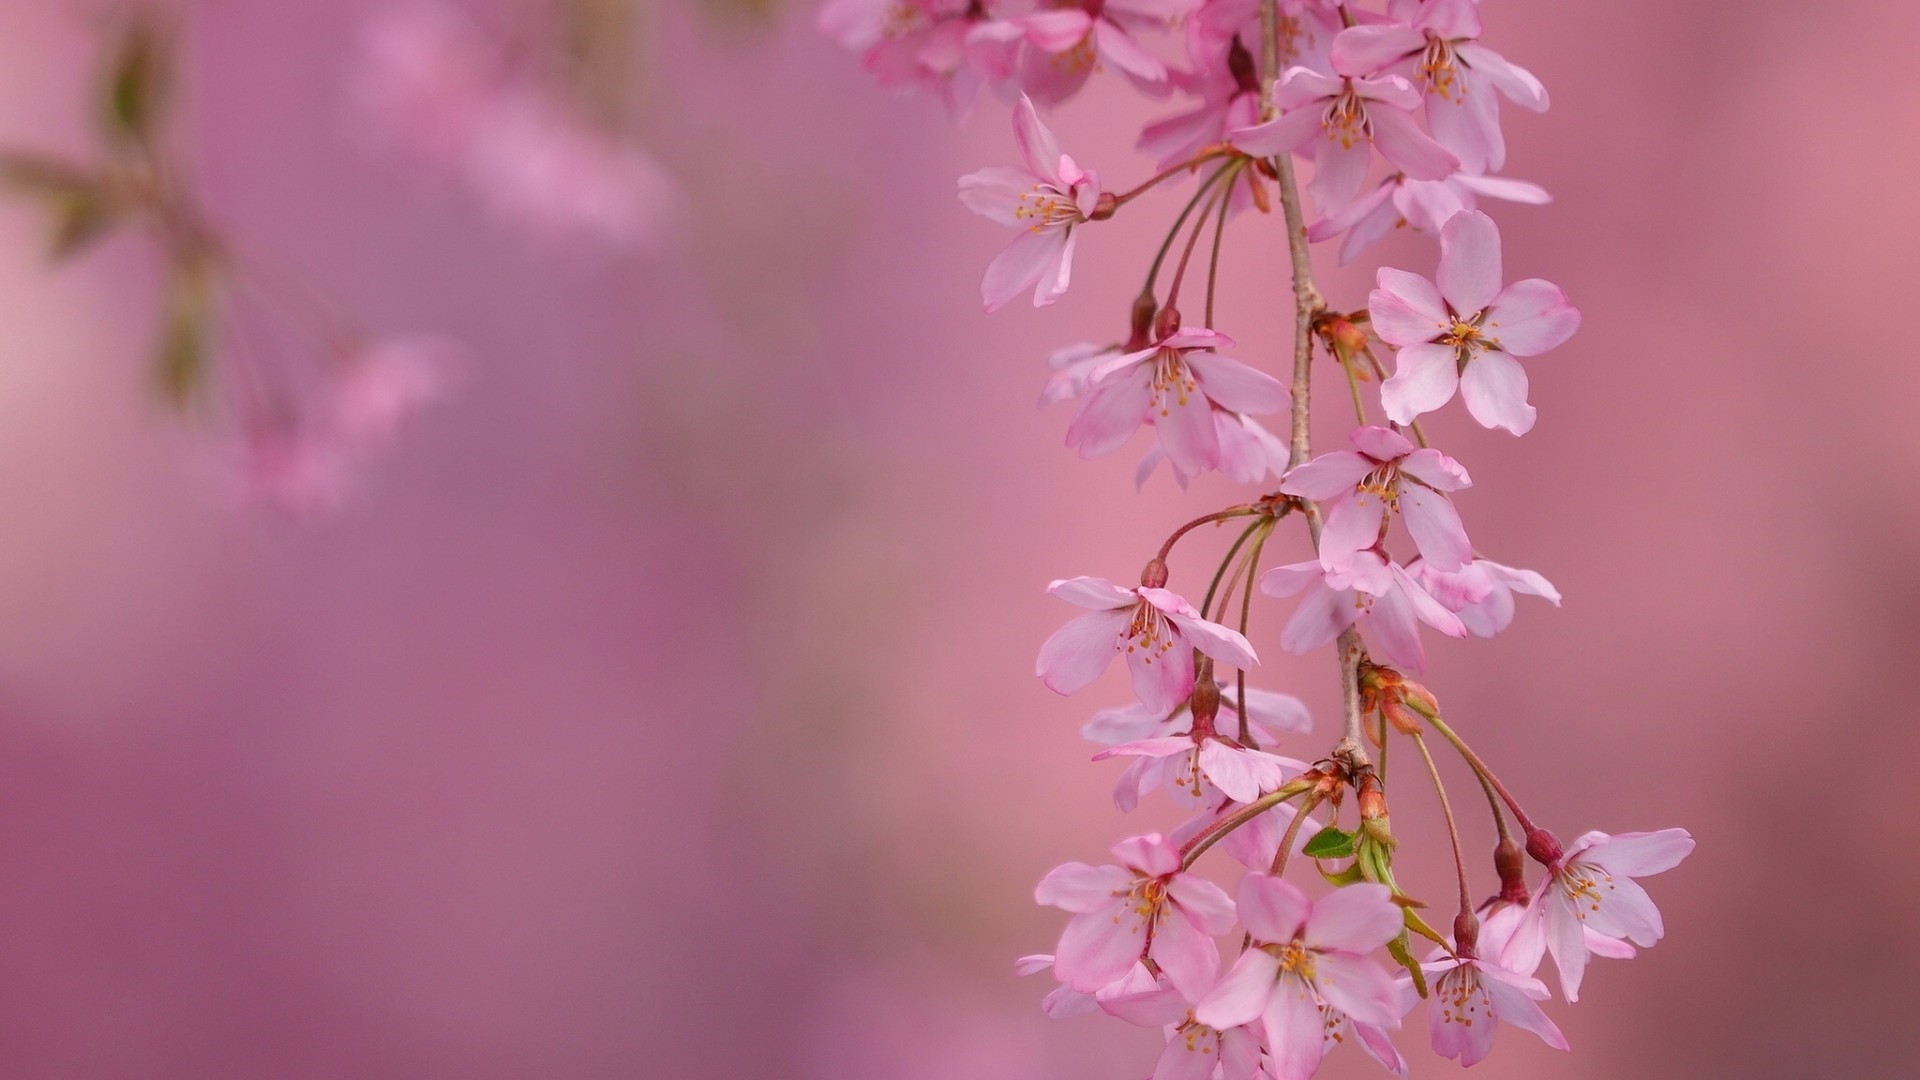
(1154, 576)
(1374, 820)
(1344, 336)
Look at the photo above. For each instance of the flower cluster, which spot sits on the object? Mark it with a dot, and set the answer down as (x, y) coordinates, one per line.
(305, 395)
(1396, 111)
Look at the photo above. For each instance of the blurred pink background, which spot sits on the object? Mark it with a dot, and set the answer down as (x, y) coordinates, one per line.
(662, 706)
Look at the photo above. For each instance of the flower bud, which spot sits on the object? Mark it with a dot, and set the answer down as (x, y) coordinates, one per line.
(1373, 810)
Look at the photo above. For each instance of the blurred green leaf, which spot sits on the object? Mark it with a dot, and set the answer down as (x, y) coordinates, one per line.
(181, 363)
(78, 220)
(139, 79)
(1330, 843)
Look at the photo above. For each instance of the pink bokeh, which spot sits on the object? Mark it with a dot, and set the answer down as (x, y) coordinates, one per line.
(663, 706)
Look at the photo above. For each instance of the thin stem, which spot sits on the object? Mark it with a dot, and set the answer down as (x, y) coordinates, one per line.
(1223, 515)
(1153, 272)
(1293, 833)
(1193, 238)
(1219, 233)
(1185, 166)
(1206, 839)
(1453, 830)
(1493, 805)
(1473, 760)
(1353, 386)
(1222, 571)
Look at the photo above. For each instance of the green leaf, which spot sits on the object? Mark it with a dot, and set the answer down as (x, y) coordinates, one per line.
(1330, 843)
(1397, 948)
(79, 220)
(139, 77)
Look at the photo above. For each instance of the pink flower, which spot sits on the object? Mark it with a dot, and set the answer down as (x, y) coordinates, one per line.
(383, 383)
(1351, 117)
(1195, 1051)
(1178, 385)
(1472, 997)
(535, 162)
(1069, 39)
(1388, 618)
(1591, 888)
(1155, 629)
(1062, 1001)
(1308, 957)
(1045, 200)
(1073, 369)
(1146, 907)
(303, 472)
(1440, 50)
(908, 43)
(1360, 491)
(1464, 333)
(1267, 712)
(1481, 593)
(1421, 205)
(1198, 769)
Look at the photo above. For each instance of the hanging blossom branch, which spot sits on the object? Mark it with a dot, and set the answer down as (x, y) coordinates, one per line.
(302, 393)
(1347, 88)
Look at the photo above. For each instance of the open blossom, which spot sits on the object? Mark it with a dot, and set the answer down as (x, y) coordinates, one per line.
(1063, 1000)
(1178, 385)
(1146, 907)
(380, 385)
(1421, 205)
(1156, 630)
(1198, 769)
(1307, 957)
(918, 43)
(1481, 593)
(1045, 200)
(1440, 50)
(1464, 332)
(1360, 490)
(1389, 618)
(1066, 41)
(1471, 998)
(1345, 119)
(1590, 887)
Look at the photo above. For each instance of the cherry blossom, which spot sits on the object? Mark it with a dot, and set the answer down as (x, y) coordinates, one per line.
(1420, 205)
(1465, 332)
(1359, 491)
(1591, 887)
(1145, 907)
(1481, 593)
(1350, 117)
(1389, 618)
(1307, 956)
(1179, 384)
(1156, 630)
(1472, 997)
(1440, 49)
(1067, 40)
(1045, 200)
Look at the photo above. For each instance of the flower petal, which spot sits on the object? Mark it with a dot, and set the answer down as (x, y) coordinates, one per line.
(1424, 378)
(1080, 651)
(1494, 386)
(1469, 274)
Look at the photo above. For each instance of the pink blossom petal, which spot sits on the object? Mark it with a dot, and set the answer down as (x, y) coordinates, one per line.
(1242, 995)
(1424, 378)
(1339, 171)
(1363, 50)
(1276, 137)
(1080, 651)
(1057, 274)
(1327, 476)
(1186, 1058)
(1358, 987)
(1531, 316)
(1460, 1019)
(1436, 470)
(1435, 527)
(1517, 83)
(1353, 524)
(1185, 952)
(1200, 900)
(1500, 187)
(1640, 854)
(1233, 385)
(1406, 309)
(1118, 48)
(1299, 85)
(1320, 617)
(1357, 919)
(1292, 1021)
(1469, 275)
(1393, 632)
(1020, 266)
(1184, 422)
(1381, 444)
(1272, 709)
(1274, 910)
(1162, 678)
(1226, 645)
(1494, 386)
(1099, 947)
(995, 193)
(1149, 853)
(1534, 584)
(1515, 1001)
(1079, 888)
(1111, 413)
(1566, 941)
(1151, 748)
(1057, 31)
(1403, 143)
(1469, 126)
